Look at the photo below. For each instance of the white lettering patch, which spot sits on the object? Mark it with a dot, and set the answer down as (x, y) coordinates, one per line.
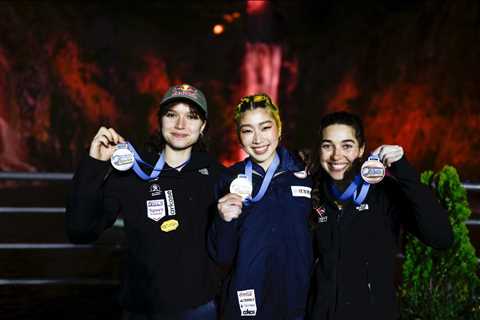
(301, 191)
(156, 209)
(247, 303)
(170, 202)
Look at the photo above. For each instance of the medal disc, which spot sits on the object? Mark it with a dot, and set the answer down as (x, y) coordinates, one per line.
(241, 186)
(372, 171)
(122, 159)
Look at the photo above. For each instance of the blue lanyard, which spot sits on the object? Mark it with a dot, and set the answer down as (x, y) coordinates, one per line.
(266, 180)
(155, 169)
(351, 191)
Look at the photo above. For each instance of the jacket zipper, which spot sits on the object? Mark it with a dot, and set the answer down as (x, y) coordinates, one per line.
(369, 284)
(338, 258)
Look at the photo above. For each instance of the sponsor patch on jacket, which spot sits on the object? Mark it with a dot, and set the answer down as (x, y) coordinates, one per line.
(170, 202)
(321, 214)
(203, 171)
(301, 191)
(362, 207)
(169, 225)
(155, 190)
(300, 174)
(155, 209)
(247, 303)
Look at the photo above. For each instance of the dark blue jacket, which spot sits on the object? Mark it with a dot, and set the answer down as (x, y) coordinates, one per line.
(269, 246)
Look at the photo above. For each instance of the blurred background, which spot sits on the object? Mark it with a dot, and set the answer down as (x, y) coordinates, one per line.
(408, 68)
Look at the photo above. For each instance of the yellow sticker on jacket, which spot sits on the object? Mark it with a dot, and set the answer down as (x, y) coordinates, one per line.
(169, 225)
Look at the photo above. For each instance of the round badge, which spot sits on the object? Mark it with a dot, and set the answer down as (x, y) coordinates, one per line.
(241, 186)
(122, 159)
(169, 225)
(372, 171)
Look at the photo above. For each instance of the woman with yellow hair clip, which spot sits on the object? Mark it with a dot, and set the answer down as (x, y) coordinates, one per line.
(262, 229)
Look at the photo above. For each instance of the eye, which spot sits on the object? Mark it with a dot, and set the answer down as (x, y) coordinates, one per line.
(326, 147)
(347, 146)
(245, 131)
(170, 114)
(266, 128)
(193, 116)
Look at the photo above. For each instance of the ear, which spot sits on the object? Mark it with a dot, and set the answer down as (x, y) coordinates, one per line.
(362, 150)
(203, 127)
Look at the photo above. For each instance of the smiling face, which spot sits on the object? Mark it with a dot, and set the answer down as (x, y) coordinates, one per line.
(259, 135)
(181, 126)
(339, 149)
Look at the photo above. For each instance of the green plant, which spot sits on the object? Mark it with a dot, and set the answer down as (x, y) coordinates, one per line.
(442, 284)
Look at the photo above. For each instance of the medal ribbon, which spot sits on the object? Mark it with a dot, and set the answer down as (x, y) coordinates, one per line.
(266, 180)
(351, 191)
(155, 169)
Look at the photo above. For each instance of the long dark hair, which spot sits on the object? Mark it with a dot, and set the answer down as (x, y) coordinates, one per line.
(156, 142)
(314, 167)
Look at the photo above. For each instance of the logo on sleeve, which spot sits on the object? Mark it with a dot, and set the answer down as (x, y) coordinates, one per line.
(247, 303)
(301, 191)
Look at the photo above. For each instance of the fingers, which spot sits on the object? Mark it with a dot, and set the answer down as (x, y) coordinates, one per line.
(108, 136)
(230, 207)
(389, 154)
(102, 146)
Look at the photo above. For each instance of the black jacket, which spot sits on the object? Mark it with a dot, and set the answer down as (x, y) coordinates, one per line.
(165, 271)
(357, 246)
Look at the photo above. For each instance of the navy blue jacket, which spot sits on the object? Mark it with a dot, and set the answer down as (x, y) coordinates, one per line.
(269, 246)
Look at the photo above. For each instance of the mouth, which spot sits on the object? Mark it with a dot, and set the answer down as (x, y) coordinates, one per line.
(179, 135)
(260, 150)
(338, 166)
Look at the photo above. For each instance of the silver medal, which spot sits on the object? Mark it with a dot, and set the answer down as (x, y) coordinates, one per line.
(241, 186)
(122, 159)
(372, 170)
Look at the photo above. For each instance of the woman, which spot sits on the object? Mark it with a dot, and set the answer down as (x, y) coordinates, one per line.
(169, 274)
(262, 228)
(357, 223)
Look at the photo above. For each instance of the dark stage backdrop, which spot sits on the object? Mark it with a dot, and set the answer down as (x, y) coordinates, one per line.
(410, 70)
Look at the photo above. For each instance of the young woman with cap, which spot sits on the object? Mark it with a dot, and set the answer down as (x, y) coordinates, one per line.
(358, 211)
(262, 229)
(165, 200)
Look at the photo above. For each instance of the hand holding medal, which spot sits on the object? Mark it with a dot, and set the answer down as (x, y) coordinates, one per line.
(104, 144)
(373, 170)
(389, 154)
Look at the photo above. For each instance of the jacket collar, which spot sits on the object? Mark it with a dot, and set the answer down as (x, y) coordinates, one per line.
(288, 162)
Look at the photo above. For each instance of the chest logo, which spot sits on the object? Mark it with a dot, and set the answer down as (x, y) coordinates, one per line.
(155, 190)
(301, 191)
(156, 209)
(362, 207)
(203, 171)
(169, 225)
(170, 203)
(300, 174)
(321, 214)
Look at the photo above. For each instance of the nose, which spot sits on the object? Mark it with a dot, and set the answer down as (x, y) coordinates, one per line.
(256, 137)
(336, 154)
(180, 124)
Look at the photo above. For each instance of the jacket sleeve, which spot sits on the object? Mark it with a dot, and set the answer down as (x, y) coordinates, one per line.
(222, 235)
(418, 209)
(90, 208)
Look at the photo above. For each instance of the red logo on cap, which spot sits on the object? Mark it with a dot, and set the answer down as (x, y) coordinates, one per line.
(185, 90)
